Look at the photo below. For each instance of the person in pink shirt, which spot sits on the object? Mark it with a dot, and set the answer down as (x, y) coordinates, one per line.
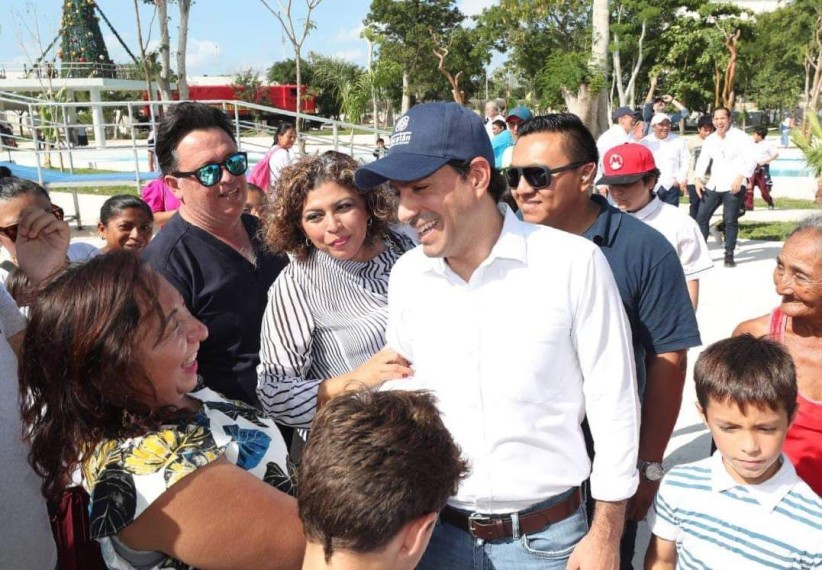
(161, 200)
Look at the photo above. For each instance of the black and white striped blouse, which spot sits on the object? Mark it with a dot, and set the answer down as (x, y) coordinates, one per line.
(325, 317)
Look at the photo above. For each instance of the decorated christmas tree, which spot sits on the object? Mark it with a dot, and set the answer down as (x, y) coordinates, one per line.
(83, 51)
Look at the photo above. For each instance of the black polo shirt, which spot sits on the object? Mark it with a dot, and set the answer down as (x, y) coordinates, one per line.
(650, 281)
(226, 292)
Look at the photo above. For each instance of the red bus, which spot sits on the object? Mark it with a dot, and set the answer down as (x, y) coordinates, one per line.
(278, 96)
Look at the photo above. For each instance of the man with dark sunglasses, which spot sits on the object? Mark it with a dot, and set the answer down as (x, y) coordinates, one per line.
(646, 267)
(519, 333)
(209, 251)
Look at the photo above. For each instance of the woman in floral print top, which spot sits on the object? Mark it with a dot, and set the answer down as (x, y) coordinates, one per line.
(179, 476)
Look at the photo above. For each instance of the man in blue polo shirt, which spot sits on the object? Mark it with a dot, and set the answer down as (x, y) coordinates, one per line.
(553, 166)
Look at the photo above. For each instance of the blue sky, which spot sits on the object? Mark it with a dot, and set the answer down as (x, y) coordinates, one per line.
(224, 35)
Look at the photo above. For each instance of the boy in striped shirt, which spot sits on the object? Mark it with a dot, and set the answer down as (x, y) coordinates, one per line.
(744, 507)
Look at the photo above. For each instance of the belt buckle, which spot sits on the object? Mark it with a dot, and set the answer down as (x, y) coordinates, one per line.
(476, 518)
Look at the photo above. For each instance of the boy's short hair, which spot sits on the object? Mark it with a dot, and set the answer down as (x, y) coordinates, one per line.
(500, 123)
(705, 121)
(374, 462)
(761, 131)
(747, 371)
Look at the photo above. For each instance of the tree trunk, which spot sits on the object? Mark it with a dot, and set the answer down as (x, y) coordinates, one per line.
(182, 47)
(406, 91)
(591, 108)
(143, 60)
(618, 72)
(299, 94)
(374, 106)
(163, 82)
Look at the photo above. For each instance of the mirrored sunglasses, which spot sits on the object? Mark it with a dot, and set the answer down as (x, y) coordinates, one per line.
(536, 176)
(211, 173)
(11, 231)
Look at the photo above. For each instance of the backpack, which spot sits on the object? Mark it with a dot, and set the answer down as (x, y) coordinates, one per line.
(260, 173)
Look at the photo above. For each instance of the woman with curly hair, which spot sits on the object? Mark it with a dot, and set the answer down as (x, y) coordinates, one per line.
(324, 325)
(174, 470)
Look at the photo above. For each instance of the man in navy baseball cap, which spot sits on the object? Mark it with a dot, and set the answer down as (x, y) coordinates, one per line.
(489, 311)
(426, 138)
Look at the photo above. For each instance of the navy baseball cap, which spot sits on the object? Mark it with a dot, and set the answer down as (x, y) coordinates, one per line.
(621, 112)
(424, 140)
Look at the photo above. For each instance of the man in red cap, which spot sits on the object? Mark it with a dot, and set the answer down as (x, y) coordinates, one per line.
(631, 174)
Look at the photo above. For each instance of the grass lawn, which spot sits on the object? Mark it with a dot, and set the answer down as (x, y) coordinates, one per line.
(765, 231)
(781, 203)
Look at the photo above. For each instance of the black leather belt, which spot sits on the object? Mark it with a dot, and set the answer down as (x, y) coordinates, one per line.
(494, 527)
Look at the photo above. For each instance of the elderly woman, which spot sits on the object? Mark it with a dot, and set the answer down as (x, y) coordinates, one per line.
(17, 194)
(126, 223)
(324, 325)
(797, 323)
(175, 471)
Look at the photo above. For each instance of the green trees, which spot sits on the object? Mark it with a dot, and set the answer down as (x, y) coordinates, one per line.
(411, 33)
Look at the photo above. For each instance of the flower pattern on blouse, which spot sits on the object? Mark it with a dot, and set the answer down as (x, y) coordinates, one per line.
(125, 476)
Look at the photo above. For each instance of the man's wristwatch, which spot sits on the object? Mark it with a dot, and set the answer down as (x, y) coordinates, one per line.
(650, 470)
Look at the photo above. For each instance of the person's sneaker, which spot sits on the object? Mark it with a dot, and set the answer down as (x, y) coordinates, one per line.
(729, 260)
(771, 207)
(716, 234)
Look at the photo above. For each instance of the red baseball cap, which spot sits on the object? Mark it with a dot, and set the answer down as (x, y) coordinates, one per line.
(625, 164)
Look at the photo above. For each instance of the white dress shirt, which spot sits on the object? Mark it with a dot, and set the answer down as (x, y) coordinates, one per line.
(517, 356)
(764, 152)
(682, 232)
(732, 156)
(671, 157)
(614, 136)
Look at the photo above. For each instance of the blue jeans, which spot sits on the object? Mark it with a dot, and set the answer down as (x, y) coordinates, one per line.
(453, 548)
(669, 195)
(693, 201)
(731, 204)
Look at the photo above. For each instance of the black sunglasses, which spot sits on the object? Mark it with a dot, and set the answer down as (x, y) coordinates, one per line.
(212, 173)
(11, 231)
(536, 176)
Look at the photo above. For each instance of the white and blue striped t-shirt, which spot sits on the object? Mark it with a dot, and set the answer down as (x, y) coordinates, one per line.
(719, 523)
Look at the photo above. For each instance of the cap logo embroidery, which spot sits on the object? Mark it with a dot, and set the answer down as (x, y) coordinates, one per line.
(615, 162)
(402, 123)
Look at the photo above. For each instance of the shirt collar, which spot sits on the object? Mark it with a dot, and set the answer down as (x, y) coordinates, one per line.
(649, 209)
(510, 244)
(604, 229)
(768, 494)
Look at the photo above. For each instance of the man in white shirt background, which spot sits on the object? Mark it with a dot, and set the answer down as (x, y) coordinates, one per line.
(519, 332)
(622, 131)
(729, 152)
(671, 158)
(491, 114)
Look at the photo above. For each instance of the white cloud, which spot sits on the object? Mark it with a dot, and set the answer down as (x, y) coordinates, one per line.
(358, 56)
(474, 7)
(350, 35)
(202, 55)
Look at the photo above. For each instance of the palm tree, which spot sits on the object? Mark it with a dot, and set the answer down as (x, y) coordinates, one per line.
(811, 146)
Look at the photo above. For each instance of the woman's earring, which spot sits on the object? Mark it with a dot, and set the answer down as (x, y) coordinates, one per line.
(370, 221)
(308, 242)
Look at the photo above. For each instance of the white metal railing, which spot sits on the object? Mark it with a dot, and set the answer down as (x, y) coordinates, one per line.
(49, 69)
(45, 128)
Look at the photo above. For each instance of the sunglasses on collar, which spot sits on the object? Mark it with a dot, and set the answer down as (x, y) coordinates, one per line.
(11, 231)
(211, 173)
